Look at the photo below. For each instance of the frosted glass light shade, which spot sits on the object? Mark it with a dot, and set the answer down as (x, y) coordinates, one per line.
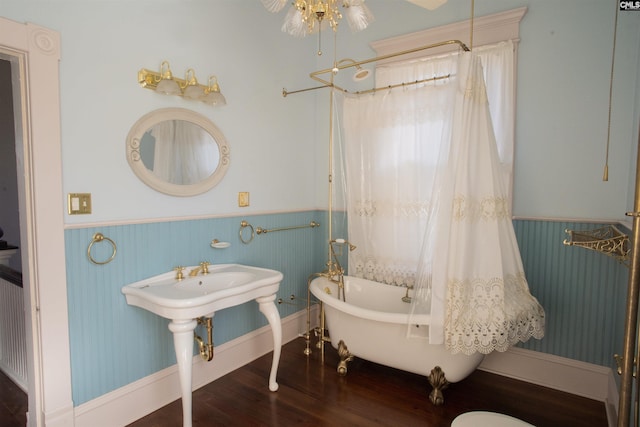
(168, 87)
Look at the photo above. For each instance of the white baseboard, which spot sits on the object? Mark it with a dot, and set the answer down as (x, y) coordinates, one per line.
(611, 404)
(133, 401)
(572, 376)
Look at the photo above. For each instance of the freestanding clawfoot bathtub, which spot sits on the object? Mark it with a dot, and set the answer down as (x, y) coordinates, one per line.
(372, 325)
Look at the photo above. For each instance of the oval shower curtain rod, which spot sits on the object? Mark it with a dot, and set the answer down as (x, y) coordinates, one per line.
(315, 75)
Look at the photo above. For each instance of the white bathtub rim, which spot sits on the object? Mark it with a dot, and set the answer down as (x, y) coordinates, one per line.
(364, 313)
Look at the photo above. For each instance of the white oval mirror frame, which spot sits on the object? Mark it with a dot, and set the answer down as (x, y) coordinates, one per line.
(146, 122)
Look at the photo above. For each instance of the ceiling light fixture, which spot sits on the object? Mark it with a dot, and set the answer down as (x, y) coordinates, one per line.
(164, 82)
(308, 16)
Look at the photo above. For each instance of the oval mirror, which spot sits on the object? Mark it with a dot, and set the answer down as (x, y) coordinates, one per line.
(177, 152)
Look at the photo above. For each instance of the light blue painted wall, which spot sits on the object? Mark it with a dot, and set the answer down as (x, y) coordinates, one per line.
(278, 153)
(563, 85)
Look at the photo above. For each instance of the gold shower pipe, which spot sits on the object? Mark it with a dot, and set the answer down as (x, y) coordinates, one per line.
(631, 318)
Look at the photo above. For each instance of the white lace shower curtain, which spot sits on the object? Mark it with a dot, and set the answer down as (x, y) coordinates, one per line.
(429, 202)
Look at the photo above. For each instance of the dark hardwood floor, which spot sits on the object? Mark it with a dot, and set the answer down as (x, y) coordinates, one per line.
(13, 404)
(312, 394)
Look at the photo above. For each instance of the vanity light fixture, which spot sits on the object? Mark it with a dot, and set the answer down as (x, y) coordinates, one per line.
(164, 82)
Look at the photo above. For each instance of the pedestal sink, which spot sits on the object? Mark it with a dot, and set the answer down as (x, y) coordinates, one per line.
(185, 300)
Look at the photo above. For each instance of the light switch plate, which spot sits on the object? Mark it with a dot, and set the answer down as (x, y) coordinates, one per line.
(243, 199)
(79, 203)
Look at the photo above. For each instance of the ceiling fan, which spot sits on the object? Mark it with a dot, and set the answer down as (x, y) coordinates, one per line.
(306, 16)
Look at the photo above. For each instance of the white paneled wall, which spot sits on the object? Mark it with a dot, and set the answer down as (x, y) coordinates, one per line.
(13, 355)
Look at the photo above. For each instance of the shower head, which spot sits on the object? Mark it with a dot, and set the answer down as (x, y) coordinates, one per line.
(359, 75)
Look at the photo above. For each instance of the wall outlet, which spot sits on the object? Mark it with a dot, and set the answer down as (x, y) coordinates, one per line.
(243, 199)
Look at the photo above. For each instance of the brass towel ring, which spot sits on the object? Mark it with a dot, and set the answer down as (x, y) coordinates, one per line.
(244, 224)
(99, 237)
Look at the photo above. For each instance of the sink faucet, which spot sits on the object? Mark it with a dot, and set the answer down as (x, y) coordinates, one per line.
(204, 268)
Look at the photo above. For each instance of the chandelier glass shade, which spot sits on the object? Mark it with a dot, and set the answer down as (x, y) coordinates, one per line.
(308, 16)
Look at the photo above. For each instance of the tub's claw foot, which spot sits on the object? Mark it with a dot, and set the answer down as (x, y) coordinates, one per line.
(345, 357)
(439, 383)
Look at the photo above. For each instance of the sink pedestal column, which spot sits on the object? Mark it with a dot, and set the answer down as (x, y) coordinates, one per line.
(183, 344)
(268, 307)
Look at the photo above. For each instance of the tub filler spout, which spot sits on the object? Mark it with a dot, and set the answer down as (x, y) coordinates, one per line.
(335, 271)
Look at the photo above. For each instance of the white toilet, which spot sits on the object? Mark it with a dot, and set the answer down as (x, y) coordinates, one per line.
(487, 419)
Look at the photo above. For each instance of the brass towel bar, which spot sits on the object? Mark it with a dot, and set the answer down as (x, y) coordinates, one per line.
(260, 230)
(312, 224)
(607, 240)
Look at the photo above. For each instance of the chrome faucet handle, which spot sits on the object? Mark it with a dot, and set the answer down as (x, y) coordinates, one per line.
(205, 267)
(179, 272)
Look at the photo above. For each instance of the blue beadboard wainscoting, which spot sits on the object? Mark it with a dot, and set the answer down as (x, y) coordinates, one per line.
(114, 344)
(582, 291)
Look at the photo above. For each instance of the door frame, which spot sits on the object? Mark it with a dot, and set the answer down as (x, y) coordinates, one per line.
(34, 53)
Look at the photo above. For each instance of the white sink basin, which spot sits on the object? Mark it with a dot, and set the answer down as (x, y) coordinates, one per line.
(226, 285)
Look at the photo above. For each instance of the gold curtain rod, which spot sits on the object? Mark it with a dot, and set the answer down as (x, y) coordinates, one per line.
(315, 75)
(375, 89)
(372, 90)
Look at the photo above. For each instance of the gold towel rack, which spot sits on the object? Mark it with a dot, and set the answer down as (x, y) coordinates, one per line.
(312, 224)
(259, 230)
(99, 237)
(607, 240)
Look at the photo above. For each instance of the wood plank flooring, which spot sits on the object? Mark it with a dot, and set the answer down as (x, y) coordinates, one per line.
(312, 394)
(13, 404)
